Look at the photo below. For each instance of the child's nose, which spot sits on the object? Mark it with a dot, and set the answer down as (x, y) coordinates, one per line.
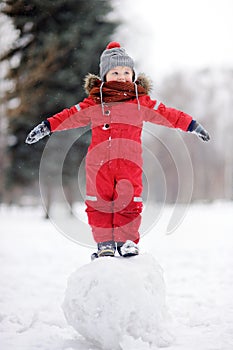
(121, 77)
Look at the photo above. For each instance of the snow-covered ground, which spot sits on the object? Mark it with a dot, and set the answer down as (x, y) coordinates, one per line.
(197, 259)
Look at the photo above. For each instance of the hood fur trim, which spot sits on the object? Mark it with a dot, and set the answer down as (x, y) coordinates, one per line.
(145, 82)
(91, 80)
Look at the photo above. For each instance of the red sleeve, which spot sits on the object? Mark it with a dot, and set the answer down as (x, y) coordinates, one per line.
(70, 118)
(157, 113)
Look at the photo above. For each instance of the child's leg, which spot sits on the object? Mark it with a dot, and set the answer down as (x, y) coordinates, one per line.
(127, 213)
(101, 223)
(127, 222)
(99, 195)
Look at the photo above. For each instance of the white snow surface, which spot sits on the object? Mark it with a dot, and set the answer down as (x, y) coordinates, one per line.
(112, 299)
(186, 276)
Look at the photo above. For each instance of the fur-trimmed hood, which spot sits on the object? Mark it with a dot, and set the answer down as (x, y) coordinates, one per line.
(91, 80)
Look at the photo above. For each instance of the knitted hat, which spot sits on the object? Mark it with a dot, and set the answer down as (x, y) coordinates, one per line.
(114, 56)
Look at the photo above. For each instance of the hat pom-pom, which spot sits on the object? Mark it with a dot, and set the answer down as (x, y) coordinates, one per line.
(112, 45)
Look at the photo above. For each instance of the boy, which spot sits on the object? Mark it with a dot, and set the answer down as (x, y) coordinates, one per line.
(116, 108)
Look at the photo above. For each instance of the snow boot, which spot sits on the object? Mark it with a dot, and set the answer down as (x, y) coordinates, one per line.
(104, 249)
(129, 248)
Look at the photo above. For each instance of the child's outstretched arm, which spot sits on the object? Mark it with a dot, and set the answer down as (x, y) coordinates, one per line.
(68, 118)
(158, 113)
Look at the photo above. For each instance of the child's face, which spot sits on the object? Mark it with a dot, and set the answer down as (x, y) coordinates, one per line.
(120, 73)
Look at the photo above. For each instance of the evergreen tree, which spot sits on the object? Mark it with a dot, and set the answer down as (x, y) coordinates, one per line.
(59, 42)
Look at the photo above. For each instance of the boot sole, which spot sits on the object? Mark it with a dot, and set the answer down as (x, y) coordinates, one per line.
(105, 252)
(127, 255)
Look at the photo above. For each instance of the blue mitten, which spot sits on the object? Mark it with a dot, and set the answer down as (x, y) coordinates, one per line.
(198, 129)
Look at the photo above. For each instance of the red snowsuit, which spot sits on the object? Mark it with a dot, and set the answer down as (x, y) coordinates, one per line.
(114, 159)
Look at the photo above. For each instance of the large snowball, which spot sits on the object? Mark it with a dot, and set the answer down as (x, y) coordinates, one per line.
(112, 300)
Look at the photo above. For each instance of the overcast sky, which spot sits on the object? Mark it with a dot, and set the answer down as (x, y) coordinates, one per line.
(163, 35)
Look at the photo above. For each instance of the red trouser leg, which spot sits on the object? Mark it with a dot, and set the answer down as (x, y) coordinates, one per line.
(127, 211)
(99, 195)
(113, 201)
(127, 222)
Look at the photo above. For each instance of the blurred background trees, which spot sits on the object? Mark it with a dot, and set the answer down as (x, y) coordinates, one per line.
(207, 95)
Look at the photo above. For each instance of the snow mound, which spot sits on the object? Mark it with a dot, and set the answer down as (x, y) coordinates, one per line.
(114, 302)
